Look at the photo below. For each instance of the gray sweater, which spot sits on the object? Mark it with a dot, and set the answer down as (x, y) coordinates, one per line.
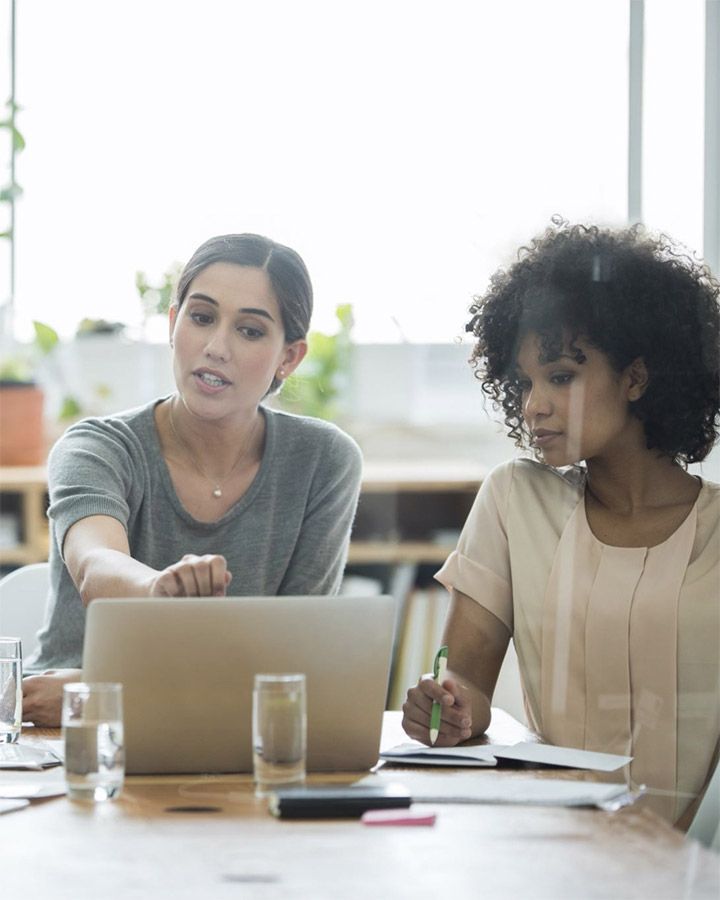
(288, 534)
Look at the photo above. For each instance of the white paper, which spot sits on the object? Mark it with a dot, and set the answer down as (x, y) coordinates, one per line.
(26, 756)
(461, 787)
(56, 746)
(487, 755)
(32, 790)
(11, 805)
(419, 754)
(568, 757)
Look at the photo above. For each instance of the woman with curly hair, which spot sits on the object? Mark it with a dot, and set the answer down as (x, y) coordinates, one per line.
(600, 557)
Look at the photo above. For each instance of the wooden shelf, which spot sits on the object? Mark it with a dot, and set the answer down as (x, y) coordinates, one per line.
(421, 476)
(401, 505)
(412, 512)
(29, 484)
(22, 555)
(392, 553)
(18, 478)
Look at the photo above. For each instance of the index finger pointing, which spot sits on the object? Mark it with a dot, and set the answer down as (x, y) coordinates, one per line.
(218, 575)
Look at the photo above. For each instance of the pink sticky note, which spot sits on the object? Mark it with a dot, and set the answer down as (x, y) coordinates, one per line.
(397, 817)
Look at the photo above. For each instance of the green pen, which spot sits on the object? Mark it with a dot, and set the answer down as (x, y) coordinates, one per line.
(439, 669)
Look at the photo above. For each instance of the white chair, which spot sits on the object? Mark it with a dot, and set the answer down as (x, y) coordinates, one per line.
(23, 600)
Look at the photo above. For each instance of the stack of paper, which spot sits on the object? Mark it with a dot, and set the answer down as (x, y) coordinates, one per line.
(461, 787)
(12, 805)
(414, 753)
(27, 756)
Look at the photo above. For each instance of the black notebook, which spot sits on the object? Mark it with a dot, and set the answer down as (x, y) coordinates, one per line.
(330, 802)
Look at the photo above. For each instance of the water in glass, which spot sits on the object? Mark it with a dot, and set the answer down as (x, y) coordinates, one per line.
(94, 760)
(279, 731)
(10, 699)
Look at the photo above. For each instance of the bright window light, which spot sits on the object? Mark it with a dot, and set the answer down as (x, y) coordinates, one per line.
(403, 147)
(673, 112)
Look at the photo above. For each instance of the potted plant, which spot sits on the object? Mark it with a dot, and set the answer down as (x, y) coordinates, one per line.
(22, 399)
(22, 436)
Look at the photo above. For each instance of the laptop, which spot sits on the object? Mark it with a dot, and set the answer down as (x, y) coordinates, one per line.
(187, 668)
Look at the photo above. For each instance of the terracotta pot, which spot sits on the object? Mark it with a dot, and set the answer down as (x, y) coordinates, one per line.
(22, 438)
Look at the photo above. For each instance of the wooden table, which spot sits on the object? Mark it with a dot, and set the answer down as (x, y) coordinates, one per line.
(137, 847)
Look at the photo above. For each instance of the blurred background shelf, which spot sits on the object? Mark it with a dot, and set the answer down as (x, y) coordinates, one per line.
(23, 504)
(427, 476)
(395, 552)
(412, 512)
(409, 513)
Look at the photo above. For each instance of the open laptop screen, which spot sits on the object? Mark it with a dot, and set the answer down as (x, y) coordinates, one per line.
(187, 668)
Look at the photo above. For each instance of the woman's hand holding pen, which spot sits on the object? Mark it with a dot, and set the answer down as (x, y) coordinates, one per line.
(193, 576)
(456, 716)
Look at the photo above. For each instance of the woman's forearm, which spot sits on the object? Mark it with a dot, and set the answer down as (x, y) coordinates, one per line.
(111, 573)
(97, 556)
(477, 641)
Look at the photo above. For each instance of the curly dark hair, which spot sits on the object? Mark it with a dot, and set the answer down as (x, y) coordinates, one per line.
(629, 294)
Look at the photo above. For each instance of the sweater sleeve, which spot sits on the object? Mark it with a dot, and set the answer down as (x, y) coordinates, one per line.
(319, 556)
(91, 472)
(480, 566)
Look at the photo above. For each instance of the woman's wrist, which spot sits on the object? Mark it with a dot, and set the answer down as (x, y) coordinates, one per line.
(479, 709)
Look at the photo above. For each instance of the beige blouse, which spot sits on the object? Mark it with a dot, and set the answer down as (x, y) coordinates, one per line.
(619, 648)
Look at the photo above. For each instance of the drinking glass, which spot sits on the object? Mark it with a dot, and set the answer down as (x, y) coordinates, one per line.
(279, 731)
(92, 724)
(10, 689)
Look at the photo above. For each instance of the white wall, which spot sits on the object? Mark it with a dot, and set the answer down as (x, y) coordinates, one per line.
(404, 400)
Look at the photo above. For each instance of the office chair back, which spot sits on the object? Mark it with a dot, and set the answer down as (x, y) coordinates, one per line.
(23, 600)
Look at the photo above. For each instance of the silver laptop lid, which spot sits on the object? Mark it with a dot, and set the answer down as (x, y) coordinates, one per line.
(187, 667)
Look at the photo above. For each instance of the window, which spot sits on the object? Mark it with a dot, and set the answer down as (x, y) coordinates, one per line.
(673, 120)
(404, 148)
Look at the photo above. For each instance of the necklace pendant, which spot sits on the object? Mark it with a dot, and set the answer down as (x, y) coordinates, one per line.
(217, 492)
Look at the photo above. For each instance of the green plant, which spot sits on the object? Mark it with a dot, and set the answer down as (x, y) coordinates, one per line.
(314, 390)
(98, 326)
(22, 366)
(11, 190)
(156, 298)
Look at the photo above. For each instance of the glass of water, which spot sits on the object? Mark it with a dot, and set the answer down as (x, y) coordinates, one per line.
(10, 689)
(92, 724)
(279, 731)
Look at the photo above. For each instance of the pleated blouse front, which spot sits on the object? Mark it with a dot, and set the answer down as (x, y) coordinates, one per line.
(618, 647)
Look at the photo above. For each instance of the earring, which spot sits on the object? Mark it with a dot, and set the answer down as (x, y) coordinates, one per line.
(281, 373)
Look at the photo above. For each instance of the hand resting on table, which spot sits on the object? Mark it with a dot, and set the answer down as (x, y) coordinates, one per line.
(43, 694)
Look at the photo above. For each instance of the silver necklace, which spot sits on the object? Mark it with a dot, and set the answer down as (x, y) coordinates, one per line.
(217, 489)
